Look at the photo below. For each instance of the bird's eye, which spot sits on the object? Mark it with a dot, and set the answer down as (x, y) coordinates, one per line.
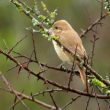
(56, 27)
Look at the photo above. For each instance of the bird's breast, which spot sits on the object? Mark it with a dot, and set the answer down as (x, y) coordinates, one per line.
(62, 54)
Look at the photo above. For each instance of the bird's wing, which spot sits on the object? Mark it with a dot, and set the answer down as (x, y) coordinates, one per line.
(72, 41)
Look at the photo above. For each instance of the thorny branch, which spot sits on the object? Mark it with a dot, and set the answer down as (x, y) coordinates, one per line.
(20, 96)
(52, 82)
(88, 67)
(47, 91)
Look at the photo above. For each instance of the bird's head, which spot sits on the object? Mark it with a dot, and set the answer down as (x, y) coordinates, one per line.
(60, 26)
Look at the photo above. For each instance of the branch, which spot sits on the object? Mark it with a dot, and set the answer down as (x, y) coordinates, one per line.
(54, 83)
(23, 96)
(93, 25)
(88, 67)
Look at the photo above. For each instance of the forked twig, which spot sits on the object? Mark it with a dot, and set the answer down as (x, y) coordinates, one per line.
(22, 96)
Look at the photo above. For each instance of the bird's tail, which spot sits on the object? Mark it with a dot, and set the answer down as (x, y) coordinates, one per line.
(82, 75)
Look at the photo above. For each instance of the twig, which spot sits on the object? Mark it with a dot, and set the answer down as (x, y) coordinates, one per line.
(88, 67)
(93, 25)
(28, 8)
(16, 44)
(53, 83)
(34, 50)
(88, 29)
(97, 100)
(87, 103)
(15, 103)
(73, 67)
(88, 100)
(23, 96)
(47, 66)
(20, 5)
(30, 58)
(11, 89)
(93, 48)
(57, 108)
(70, 102)
(34, 47)
(47, 91)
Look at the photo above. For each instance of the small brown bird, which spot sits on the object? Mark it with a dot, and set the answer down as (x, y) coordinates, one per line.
(68, 38)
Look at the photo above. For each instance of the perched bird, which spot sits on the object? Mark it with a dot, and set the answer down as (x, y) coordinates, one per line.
(68, 39)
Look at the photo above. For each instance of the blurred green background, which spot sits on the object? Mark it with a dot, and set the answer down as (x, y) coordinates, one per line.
(80, 14)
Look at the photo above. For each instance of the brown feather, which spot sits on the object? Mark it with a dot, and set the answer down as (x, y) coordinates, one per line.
(69, 38)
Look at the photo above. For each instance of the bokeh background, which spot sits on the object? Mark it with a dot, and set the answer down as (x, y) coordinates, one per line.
(80, 14)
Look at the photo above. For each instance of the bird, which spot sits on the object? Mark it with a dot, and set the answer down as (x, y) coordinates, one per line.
(69, 45)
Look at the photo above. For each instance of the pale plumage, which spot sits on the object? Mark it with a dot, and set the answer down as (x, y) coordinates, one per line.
(69, 38)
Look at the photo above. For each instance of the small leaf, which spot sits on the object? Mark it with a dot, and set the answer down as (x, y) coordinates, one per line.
(96, 82)
(41, 17)
(53, 14)
(35, 22)
(53, 37)
(107, 5)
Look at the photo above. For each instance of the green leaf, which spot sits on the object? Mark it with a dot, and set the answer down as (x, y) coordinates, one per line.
(35, 22)
(41, 17)
(96, 82)
(53, 14)
(53, 37)
(107, 5)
